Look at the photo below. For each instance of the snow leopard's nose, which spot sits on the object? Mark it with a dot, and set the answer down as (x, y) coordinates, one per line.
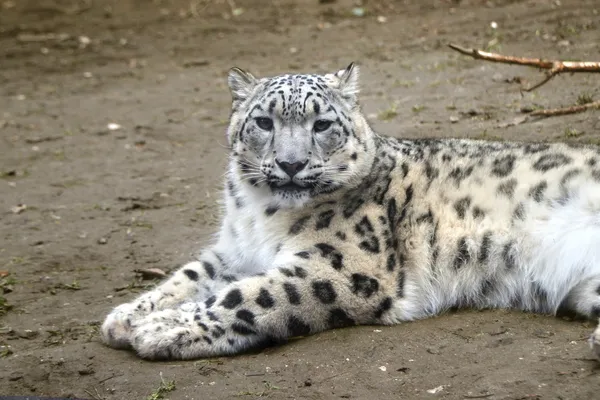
(291, 168)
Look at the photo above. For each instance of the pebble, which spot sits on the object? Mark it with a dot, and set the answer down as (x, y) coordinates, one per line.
(86, 371)
(26, 333)
(15, 376)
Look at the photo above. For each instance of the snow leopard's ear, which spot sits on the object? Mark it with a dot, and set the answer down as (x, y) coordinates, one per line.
(346, 81)
(241, 84)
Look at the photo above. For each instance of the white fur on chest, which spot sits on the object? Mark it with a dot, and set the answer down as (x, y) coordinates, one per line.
(252, 236)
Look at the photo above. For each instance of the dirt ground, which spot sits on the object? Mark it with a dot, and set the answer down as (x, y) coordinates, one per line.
(84, 205)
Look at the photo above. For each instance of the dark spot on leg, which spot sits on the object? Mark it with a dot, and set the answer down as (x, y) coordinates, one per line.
(212, 316)
(371, 245)
(300, 272)
(299, 225)
(519, 213)
(193, 275)
(326, 249)
(508, 256)
(271, 210)
(323, 290)
(391, 262)
(400, 283)
(426, 218)
(210, 301)
(232, 299)
(533, 148)
(207, 339)
(339, 319)
(364, 285)
(297, 327)
(461, 206)
(484, 250)
(478, 212)
(332, 253)
(550, 161)
(202, 325)
(246, 316)
(303, 254)
(324, 219)
(503, 166)
(209, 268)
(507, 188)
(242, 329)
(286, 272)
(264, 299)
(384, 306)
(462, 254)
(537, 191)
(292, 293)
(217, 332)
(364, 226)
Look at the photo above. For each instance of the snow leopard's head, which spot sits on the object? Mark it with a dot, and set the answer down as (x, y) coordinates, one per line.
(295, 137)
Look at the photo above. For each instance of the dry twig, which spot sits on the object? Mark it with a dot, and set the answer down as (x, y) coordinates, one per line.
(554, 67)
(567, 110)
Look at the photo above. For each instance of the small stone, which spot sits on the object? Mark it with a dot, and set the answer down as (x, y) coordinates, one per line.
(454, 119)
(19, 208)
(27, 334)
(436, 389)
(84, 40)
(88, 370)
(15, 376)
(358, 12)
(102, 240)
(527, 109)
(152, 273)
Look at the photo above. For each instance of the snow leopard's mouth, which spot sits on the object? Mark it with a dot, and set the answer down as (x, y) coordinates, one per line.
(291, 187)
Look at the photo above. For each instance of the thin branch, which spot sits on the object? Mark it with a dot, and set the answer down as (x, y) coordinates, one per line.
(553, 67)
(566, 110)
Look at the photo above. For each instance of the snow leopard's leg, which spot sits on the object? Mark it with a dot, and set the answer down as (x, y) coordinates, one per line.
(301, 299)
(194, 281)
(584, 301)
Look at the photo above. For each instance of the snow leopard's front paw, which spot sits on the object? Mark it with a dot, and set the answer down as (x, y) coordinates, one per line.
(168, 334)
(595, 341)
(191, 332)
(117, 327)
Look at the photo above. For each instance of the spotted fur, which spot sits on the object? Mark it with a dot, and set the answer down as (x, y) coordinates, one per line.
(328, 225)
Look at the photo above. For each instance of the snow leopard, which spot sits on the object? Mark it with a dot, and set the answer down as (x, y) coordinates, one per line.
(328, 224)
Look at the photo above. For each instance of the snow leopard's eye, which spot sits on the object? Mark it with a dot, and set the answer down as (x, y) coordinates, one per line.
(322, 125)
(264, 123)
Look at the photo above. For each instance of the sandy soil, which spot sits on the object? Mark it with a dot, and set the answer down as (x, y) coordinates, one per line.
(99, 204)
